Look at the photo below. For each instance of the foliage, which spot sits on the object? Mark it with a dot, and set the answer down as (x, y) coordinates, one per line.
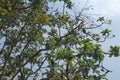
(42, 41)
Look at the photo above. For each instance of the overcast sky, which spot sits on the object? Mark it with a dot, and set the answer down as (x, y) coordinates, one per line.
(111, 10)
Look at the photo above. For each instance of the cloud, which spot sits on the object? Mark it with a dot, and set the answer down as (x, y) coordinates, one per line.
(103, 7)
(109, 8)
(113, 7)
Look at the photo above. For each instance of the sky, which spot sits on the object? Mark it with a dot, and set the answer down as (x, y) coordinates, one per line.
(111, 10)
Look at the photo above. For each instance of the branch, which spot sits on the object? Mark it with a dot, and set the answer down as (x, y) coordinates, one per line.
(95, 26)
(67, 69)
(104, 38)
(65, 75)
(40, 65)
(68, 34)
(36, 54)
(32, 4)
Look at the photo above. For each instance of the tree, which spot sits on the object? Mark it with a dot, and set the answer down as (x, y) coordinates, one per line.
(42, 41)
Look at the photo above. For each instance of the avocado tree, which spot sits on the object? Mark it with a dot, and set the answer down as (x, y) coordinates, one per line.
(41, 41)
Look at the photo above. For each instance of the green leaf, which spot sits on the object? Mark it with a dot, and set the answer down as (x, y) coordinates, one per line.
(114, 51)
(9, 8)
(106, 32)
(109, 21)
(101, 19)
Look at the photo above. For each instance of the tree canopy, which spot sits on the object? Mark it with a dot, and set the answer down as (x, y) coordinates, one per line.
(42, 41)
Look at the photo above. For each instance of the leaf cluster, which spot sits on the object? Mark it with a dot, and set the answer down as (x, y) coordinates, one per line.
(40, 41)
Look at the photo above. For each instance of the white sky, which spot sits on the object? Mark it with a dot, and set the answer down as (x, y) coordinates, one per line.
(111, 9)
(107, 7)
